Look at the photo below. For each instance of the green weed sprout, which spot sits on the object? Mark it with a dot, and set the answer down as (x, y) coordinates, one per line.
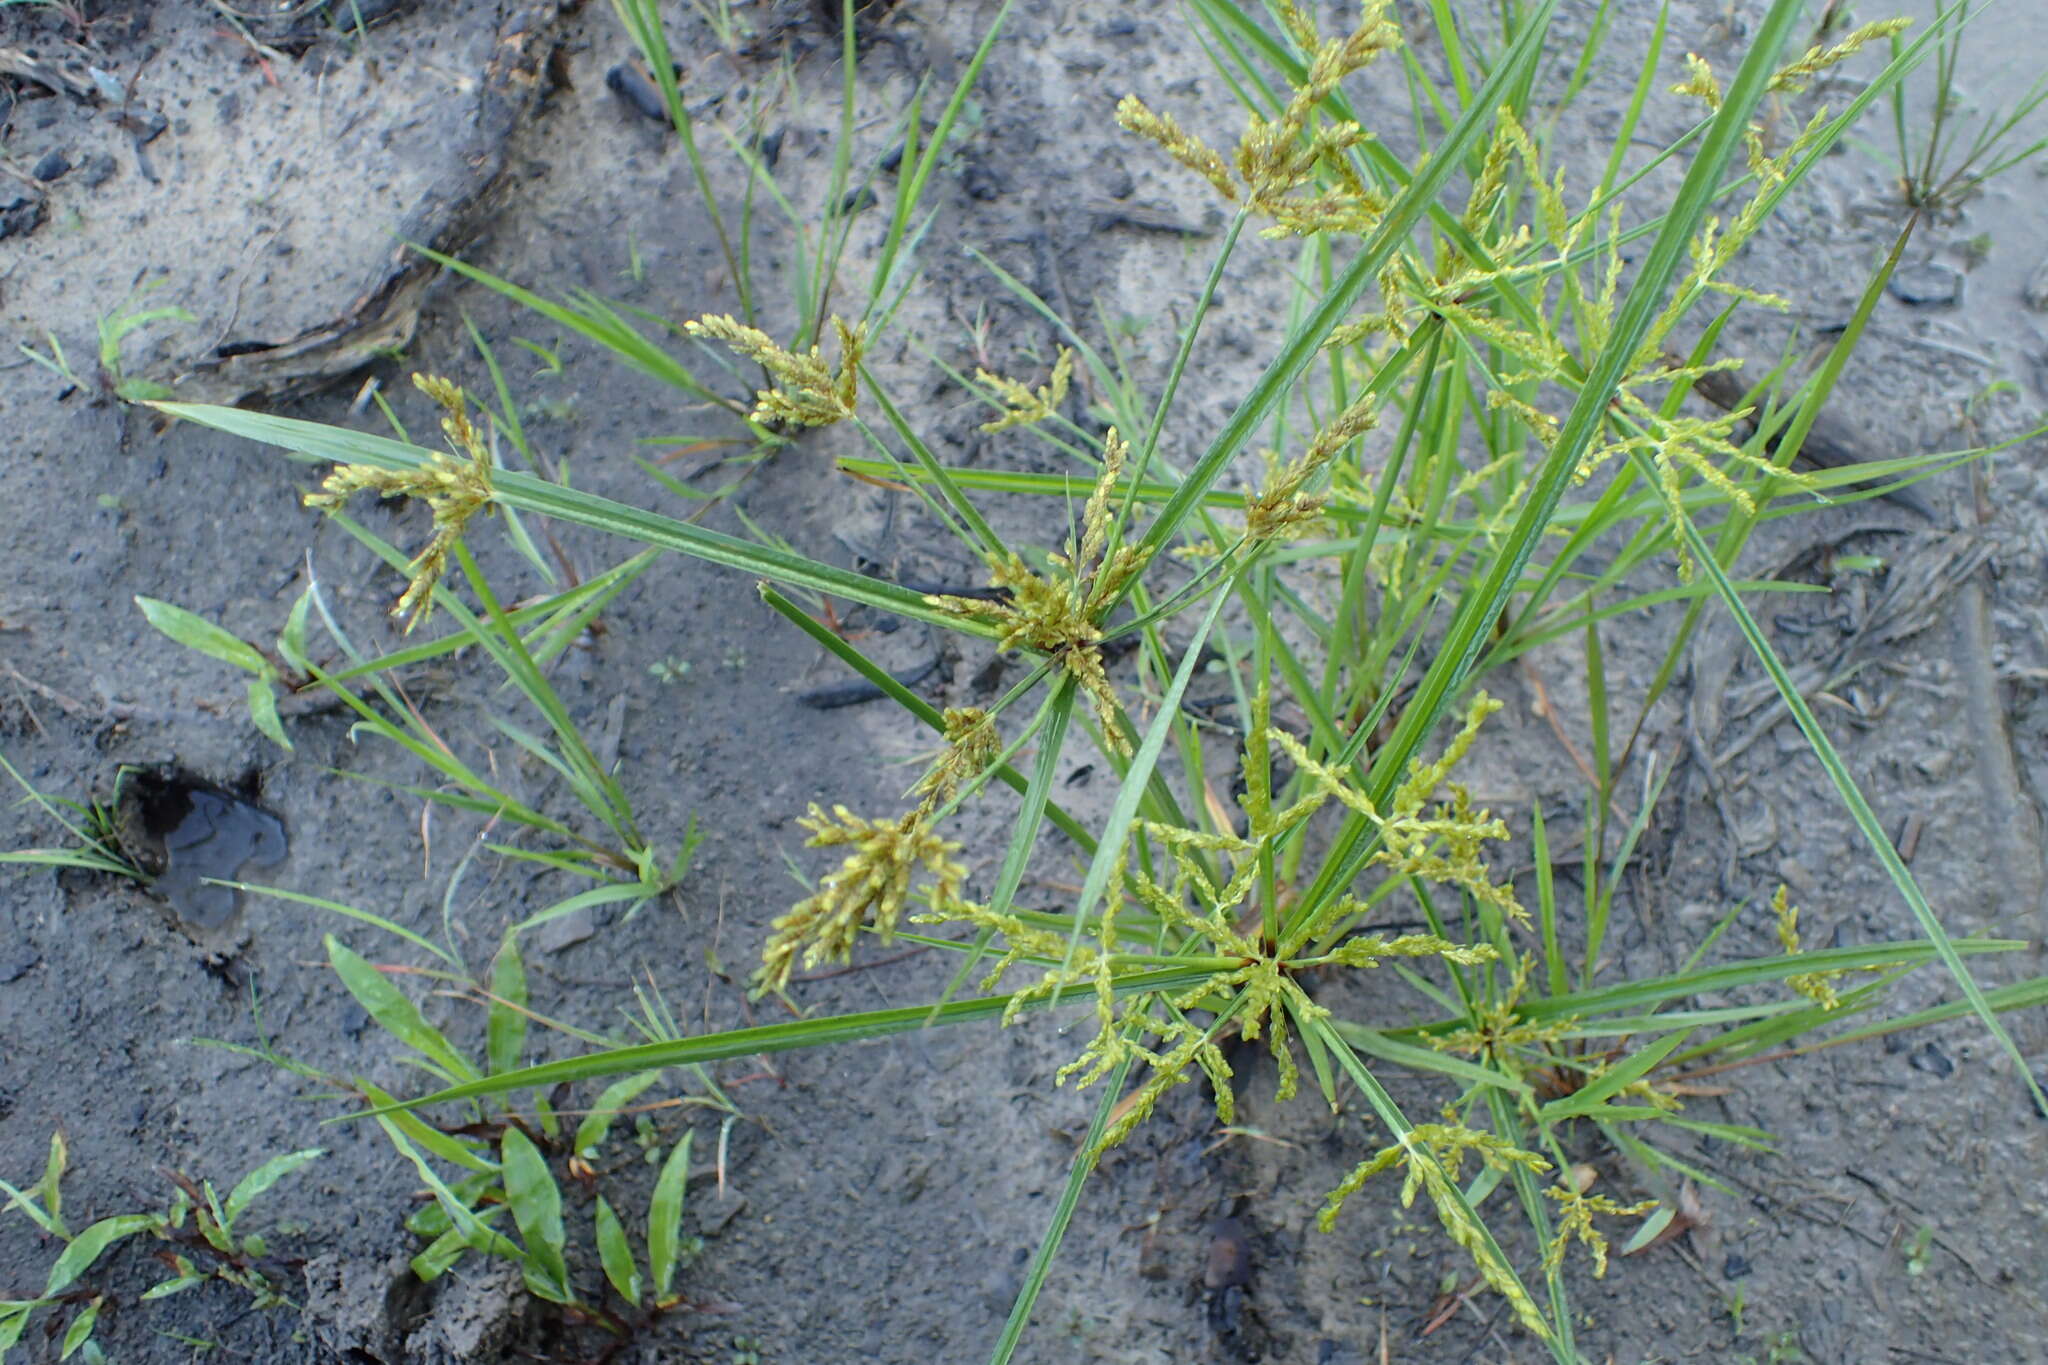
(113, 329)
(213, 1247)
(93, 826)
(506, 1162)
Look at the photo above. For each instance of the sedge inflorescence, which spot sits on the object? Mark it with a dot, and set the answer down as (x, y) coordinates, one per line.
(1059, 613)
(456, 489)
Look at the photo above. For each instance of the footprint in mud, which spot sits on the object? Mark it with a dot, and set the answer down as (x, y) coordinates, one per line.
(182, 830)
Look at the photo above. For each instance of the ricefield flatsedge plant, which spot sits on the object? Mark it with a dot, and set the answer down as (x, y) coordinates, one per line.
(205, 1239)
(1477, 443)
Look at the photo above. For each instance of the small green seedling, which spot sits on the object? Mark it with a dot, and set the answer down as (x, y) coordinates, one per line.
(269, 671)
(213, 1247)
(113, 328)
(93, 826)
(1919, 1250)
(503, 1162)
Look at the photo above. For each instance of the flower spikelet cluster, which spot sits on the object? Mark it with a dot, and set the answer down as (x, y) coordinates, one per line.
(1059, 614)
(1275, 159)
(1816, 59)
(1122, 1027)
(806, 392)
(1023, 406)
(871, 885)
(1444, 845)
(1369, 950)
(1254, 985)
(1575, 1219)
(455, 488)
(1282, 508)
(1499, 1032)
(972, 743)
(1813, 985)
(1434, 1154)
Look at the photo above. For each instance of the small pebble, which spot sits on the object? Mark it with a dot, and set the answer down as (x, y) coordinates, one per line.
(982, 183)
(1735, 1267)
(2034, 293)
(21, 216)
(50, 166)
(1795, 875)
(1932, 1060)
(556, 935)
(1928, 284)
(637, 90)
(96, 170)
(640, 91)
(1230, 1255)
(147, 124)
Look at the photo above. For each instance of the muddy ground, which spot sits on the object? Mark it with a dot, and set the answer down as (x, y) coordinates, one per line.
(879, 1200)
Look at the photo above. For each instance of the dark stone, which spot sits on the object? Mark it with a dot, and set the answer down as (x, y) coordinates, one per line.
(96, 170)
(1735, 1267)
(982, 183)
(347, 15)
(1929, 284)
(1932, 1060)
(183, 831)
(147, 124)
(50, 166)
(20, 217)
(638, 90)
(17, 961)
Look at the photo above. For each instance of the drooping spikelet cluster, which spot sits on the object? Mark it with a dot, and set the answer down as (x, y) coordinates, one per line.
(871, 886)
(1277, 159)
(455, 488)
(1434, 1154)
(1022, 405)
(1815, 986)
(806, 391)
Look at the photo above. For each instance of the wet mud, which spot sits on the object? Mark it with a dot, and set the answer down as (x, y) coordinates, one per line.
(188, 834)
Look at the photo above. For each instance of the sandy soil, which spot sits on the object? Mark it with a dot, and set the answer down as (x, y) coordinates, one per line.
(880, 1199)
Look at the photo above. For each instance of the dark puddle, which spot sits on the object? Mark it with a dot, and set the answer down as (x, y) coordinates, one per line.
(182, 830)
